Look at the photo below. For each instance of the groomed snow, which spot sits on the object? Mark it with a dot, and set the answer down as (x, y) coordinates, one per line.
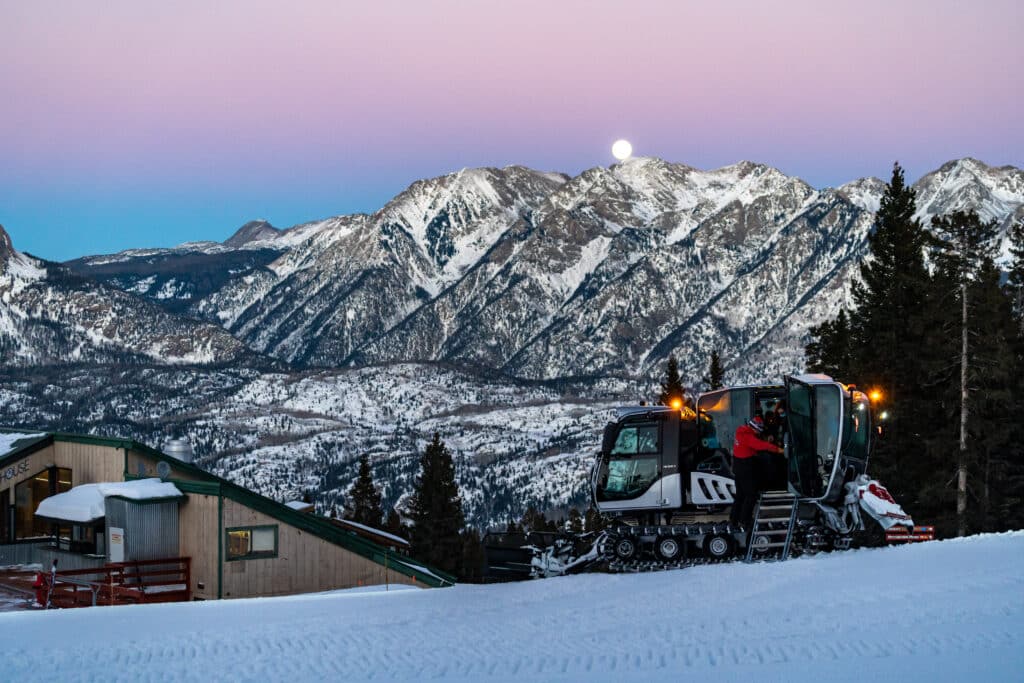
(85, 503)
(943, 611)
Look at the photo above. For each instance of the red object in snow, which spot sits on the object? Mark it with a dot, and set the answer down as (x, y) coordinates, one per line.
(41, 589)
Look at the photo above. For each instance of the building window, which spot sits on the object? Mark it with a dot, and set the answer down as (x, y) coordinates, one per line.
(85, 539)
(252, 542)
(27, 496)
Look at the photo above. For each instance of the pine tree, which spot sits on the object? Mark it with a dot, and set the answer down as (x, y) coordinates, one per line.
(393, 525)
(994, 455)
(1015, 278)
(830, 350)
(575, 523)
(473, 558)
(672, 386)
(436, 510)
(961, 252)
(1007, 503)
(889, 340)
(593, 521)
(533, 520)
(364, 498)
(716, 373)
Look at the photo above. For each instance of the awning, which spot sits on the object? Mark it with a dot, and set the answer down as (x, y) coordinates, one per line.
(86, 503)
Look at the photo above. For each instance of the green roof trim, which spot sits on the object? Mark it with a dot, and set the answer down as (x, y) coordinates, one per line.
(319, 526)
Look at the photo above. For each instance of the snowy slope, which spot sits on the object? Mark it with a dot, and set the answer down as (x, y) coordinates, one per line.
(284, 434)
(941, 611)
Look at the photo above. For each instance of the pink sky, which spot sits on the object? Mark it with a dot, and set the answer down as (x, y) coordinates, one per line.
(160, 122)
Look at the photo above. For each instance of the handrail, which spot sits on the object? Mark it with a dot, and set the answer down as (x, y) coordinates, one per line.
(118, 584)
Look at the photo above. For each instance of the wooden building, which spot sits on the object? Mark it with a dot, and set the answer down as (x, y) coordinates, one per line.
(241, 544)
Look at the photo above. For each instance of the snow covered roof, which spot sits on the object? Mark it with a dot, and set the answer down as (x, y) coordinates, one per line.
(86, 502)
(15, 441)
(300, 505)
(376, 532)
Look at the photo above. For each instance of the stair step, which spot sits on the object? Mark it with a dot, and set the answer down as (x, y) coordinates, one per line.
(773, 519)
(776, 507)
(771, 532)
(770, 545)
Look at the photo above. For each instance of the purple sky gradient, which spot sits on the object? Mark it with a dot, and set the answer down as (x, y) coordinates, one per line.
(130, 123)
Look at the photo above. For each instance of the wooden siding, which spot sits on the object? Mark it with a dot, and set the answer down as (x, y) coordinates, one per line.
(148, 467)
(89, 463)
(197, 538)
(33, 463)
(304, 563)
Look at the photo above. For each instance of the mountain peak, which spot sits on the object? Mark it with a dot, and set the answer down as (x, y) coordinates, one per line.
(968, 163)
(253, 231)
(6, 248)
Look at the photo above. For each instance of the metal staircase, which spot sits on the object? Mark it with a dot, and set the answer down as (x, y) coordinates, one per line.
(774, 521)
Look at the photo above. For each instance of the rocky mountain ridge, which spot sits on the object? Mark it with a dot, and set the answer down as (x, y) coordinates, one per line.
(541, 276)
(50, 316)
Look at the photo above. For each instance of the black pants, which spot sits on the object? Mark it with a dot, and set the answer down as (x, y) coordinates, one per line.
(745, 472)
(768, 473)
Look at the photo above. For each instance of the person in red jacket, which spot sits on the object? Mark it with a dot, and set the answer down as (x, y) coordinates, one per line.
(745, 448)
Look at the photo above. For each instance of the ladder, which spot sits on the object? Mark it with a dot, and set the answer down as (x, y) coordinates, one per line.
(774, 521)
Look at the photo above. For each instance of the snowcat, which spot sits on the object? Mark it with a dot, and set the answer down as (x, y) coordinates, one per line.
(664, 478)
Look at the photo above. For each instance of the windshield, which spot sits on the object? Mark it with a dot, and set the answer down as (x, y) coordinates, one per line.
(631, 466)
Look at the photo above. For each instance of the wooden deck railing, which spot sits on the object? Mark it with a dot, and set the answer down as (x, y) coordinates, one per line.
(122, 583)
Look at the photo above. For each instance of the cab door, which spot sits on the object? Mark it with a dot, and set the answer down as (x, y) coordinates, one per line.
(814, 418)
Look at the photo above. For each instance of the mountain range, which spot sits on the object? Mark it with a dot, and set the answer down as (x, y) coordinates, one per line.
(542, 276)
(507, 309)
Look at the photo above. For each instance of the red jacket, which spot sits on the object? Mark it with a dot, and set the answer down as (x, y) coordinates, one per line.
(747, 443)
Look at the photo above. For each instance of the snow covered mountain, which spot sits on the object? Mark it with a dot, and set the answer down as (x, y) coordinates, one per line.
(540, 276)
(361, 275)
(997, 194)
(51, 316)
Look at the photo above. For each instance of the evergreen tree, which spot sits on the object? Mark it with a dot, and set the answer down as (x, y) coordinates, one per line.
(393, 524)
(1015, 278)
(436, 510)
(593, 521)
(535, 520)
(1006, 504)
(364, 498)
(885, 333)
(830, 350)
(473, 557)
(961, 253)
(716, 373)
(994, 456)
(672, 386)
(575, 522)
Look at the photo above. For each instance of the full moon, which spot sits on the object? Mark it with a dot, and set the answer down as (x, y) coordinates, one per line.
(621, 150)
